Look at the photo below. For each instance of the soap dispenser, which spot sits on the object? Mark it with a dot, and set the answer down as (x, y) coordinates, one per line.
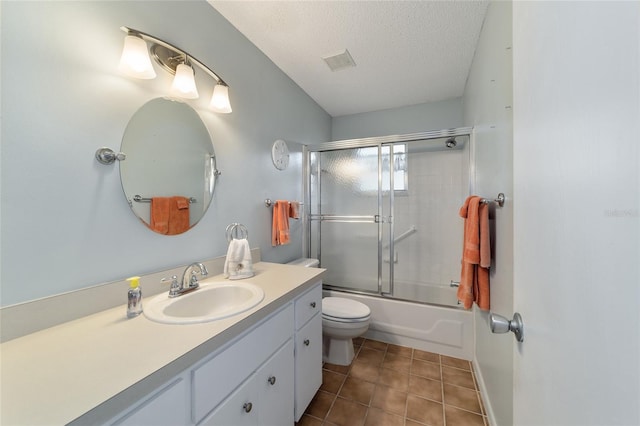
(134, 297)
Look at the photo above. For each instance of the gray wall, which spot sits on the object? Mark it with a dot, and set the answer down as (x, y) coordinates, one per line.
(487, 107)
(65, 223)
(409, 119)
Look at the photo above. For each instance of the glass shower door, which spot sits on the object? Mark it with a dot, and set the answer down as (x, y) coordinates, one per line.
(383, 216)
(345, 217)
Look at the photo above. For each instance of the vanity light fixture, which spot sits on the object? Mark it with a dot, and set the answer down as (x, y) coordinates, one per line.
(135, 62)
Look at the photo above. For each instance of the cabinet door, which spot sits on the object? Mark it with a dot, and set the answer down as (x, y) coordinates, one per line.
(275, 385)
(239, 409)
(213, 379)
(308, 364)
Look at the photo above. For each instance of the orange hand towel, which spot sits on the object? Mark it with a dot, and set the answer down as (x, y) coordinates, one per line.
(476, 254)
(294, 209)
(280, 225)
(178, 215)
(169, 215)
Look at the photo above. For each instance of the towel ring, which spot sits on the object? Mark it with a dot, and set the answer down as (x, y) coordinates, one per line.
(236, 231)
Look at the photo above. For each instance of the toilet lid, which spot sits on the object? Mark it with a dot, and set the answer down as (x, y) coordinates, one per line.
(339, 307)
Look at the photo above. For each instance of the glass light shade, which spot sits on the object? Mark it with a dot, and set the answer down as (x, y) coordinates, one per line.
(135, 61)
(220, 99)
(184, 83)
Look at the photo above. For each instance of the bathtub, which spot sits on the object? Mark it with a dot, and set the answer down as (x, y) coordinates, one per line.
(444, 330)
(445, 296)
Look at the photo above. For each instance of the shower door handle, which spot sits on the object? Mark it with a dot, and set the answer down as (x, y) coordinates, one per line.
(382, 219)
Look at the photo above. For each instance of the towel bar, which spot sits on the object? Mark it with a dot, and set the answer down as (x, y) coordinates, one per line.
(268, 202)
(499, 200)
(141, 199)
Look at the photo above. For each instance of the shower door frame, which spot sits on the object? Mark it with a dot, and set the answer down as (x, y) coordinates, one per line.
(378, 142)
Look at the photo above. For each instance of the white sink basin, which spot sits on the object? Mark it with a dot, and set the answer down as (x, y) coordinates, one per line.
(212, 301)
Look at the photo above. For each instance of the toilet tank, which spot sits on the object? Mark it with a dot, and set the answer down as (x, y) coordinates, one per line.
(306, 262)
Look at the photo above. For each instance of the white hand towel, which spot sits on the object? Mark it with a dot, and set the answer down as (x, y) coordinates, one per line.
(238, 264)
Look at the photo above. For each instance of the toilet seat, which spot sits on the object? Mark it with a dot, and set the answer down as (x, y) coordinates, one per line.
(344, 310)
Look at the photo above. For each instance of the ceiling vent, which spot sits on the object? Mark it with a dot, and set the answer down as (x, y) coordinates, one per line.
(340, 61)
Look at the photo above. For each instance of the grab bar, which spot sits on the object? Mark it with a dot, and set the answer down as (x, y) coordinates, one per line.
(405, 234)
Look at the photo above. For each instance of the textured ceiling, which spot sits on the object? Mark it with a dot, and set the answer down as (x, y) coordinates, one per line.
(406, 52)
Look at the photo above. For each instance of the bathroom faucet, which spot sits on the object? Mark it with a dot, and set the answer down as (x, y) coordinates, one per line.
(189, 280)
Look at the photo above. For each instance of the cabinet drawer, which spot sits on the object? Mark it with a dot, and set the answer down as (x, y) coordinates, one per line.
(308, 366)
(169, 406)
(308, 305)
(212, 381)
(238, 409)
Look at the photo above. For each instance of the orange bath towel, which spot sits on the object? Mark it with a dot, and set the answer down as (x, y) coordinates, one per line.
(476, 255)
(169, 215)
(280, 226)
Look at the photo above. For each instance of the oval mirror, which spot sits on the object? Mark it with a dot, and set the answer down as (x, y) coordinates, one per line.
(170, 171)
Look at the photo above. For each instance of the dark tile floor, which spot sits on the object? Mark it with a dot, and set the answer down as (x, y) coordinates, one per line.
(389, 385)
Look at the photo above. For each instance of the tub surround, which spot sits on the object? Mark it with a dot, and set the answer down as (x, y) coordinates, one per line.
(87, 370)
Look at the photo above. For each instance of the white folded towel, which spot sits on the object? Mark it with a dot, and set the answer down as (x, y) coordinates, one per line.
(238, 264)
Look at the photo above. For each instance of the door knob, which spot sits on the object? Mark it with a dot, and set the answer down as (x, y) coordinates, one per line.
(500, 324)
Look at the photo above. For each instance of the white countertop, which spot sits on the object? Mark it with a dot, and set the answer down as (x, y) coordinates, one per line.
(89, 369)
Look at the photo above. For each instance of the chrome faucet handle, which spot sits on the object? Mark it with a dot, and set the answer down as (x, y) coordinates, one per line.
(203, 269)
(174, 290)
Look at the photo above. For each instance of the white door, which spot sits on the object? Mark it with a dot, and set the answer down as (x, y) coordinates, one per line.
(577, 212)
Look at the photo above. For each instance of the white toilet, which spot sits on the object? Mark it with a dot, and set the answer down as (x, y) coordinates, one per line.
(342, 320)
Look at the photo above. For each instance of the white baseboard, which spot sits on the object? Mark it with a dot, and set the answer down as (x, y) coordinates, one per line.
(488, 409)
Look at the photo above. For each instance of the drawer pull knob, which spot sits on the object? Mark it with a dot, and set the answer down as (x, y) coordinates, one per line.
(247, 407)
(272, 380)
(312, 304)
(306, 342)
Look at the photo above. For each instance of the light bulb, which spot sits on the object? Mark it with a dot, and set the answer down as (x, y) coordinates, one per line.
(220, 99)
(184, 84)
(135, 61)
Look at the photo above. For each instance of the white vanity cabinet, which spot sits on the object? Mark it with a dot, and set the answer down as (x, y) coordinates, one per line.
(266, 376)
(308, 348)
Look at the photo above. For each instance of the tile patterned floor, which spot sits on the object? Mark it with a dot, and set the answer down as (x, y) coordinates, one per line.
(389, 385)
